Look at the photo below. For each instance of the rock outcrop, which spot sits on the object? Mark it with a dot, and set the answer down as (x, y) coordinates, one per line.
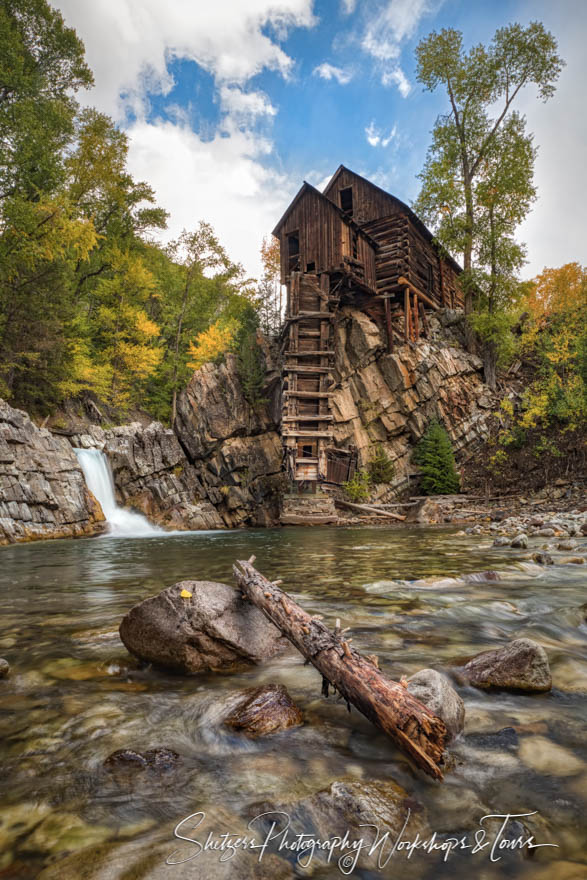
(235, 448)
(520, 666)
(389, 398)
(42, 489)
(196, 626)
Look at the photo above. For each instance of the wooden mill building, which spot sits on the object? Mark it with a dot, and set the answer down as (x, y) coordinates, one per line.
(353, 244)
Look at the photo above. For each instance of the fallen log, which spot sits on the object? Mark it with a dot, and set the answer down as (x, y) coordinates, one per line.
(388, 704)
(369, 509)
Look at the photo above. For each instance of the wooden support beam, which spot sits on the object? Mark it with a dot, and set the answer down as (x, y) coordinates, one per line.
(424, 319)
(308, 393)
(405, 282)
(388, 326)
(386, 703)
(416, 324)
(407, 314)
(304, 353)
(308, 418)
(303, 433)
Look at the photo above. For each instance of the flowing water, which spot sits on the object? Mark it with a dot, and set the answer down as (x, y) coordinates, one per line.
(410, 596)
(121, 523)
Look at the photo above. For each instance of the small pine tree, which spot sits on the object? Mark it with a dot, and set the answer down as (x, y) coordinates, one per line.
(381, 468)
(435, 457)
(358, 488)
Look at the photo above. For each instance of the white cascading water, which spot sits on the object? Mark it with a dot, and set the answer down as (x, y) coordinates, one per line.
(121, 523)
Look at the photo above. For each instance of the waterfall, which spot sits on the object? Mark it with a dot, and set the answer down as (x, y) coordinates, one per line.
(121, 523)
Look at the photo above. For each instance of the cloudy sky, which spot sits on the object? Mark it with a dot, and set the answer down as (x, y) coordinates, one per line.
(231, 104)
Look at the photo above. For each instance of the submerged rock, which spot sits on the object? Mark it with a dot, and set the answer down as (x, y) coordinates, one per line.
(4, 667)
(545, 756)
(522, 666)
(543, 558)
(436, 692)
(212, 628)
(264, 710)
(158, 759)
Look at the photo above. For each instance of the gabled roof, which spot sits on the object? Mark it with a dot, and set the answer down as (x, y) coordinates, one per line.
(402, 205)
(307, 187)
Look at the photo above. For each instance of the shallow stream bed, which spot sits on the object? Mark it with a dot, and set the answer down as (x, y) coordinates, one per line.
(410, 596)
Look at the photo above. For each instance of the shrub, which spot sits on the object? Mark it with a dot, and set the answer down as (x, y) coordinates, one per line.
(435, 457)
(381, 468)
(358, 488)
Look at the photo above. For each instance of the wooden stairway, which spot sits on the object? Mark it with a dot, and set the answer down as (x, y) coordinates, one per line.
(306, 417)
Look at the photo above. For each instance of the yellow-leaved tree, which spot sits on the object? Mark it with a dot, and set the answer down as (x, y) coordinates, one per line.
(211, 344)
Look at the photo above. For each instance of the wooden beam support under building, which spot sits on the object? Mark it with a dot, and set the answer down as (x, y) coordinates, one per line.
(407, 314)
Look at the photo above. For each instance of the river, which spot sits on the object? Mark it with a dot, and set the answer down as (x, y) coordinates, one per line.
(74, 695)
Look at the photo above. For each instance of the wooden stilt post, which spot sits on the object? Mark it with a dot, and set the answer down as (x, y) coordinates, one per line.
(407, 314)
(388, 324)
(424, 318)
(416, 319)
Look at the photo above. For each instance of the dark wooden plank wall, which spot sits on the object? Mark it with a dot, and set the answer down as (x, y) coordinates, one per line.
(369, 203)
(325, 238)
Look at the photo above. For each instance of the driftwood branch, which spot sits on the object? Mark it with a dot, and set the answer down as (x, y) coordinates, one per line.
(367, 508)
(388, 704)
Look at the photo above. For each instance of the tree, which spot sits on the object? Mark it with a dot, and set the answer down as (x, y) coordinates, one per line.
(554, 339)
(435, 457)
(481, 86)
(41, 67)
(269, 290)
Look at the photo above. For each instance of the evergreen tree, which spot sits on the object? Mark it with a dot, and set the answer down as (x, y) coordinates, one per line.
(435, 457)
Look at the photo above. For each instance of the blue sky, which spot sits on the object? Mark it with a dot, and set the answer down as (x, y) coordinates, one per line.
(230, 105)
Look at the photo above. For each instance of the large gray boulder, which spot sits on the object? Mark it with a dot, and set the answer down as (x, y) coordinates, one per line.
(436, 692)
(520, 666)
(211, 629)
(43, 493)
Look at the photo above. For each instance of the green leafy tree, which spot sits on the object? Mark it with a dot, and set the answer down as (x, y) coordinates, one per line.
(380, 468)
(481, 86)
(250, 359)
(358, 488)
(42, 65)
(435, 458)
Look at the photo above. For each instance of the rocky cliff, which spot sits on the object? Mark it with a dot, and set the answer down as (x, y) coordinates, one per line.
(389, 399)
(236, 448)
(42, 489)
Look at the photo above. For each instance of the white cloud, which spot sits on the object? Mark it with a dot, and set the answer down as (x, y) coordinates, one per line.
(223, 176)
(397, 77)
(372, 134)
(222, 181)
(555, 230)
(130, 43)
(348, 6)
(375, 136)
(329, 71)
(245, 106)
(393, 22)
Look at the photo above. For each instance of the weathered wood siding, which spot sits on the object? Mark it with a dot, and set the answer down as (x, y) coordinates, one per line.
(369, 202)
(325, 239)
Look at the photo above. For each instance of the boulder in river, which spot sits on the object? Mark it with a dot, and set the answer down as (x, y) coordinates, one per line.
(520, 541)
(543, 558)
(426, 511)
(436, 692)
(264, 710)
(210, 627)
(4, 667)
(522, 665)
